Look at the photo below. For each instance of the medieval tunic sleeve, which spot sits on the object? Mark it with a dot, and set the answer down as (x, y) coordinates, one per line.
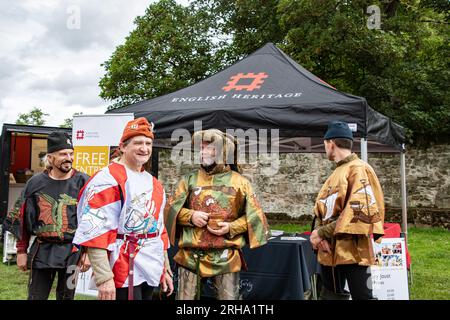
(99, 203)
(27, 215)
(175, 212)
(98, 212)
(100, 265)
(327, 231)
(184, 217)
(238, 226)
(19, 225)
(12, 222)
(257, 226)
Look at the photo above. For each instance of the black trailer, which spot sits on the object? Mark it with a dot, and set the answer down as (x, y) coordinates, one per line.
(14, 150)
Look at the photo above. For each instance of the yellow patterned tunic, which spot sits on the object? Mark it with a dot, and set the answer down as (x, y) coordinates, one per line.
(351, 202)
(226, 196)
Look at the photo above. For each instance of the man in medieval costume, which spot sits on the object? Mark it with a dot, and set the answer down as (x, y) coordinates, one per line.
(214, 213)
(350, 211)
(47, 210)
(122, 222)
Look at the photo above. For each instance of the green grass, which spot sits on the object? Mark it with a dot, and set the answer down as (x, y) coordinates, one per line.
(429, 249)
(430, 256)
(291, 227)
(13, 283)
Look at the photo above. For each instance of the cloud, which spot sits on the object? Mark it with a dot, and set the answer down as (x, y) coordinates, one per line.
(51, 60)
(77, 25)
(11, 70)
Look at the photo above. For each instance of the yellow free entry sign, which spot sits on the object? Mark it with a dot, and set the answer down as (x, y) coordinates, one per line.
(90, 159)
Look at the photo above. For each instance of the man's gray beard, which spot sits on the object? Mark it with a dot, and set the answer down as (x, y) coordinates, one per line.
(208, 161)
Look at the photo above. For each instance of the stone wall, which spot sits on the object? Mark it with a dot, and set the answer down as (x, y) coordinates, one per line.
(290, 194)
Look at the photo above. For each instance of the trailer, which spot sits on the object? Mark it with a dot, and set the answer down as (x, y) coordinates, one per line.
(22, 149)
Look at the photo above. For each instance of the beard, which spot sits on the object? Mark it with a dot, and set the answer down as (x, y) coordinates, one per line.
(64, 169)
(208, 161)
(208, 167)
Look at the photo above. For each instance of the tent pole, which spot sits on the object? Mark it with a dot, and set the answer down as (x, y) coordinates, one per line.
(403, 189)
(364, 156)
(404, 205)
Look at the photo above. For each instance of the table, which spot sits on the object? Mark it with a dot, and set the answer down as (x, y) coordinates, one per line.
(279, 270)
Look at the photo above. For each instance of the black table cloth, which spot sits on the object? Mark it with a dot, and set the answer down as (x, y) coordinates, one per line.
(279, 270)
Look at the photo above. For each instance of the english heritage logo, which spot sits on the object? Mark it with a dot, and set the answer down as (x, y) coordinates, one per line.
(258, 80)
(241, 82)
(80, 134)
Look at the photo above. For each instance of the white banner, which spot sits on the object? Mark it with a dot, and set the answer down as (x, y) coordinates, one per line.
(99, 130)
(95, 138)
(389, 275)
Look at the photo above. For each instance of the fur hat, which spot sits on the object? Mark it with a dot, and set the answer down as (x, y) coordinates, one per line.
(224, 141)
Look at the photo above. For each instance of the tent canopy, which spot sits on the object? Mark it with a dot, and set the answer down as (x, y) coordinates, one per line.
(268, 90)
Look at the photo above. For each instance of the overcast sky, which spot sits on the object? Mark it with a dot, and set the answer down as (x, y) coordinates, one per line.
(51, 51)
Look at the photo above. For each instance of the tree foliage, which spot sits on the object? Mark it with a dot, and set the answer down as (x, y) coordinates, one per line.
(170, 48)
(242, 26)
(33, 118)
(402, 69)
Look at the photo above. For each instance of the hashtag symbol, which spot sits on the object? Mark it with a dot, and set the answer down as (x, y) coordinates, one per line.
(258, 80)
(80, 134)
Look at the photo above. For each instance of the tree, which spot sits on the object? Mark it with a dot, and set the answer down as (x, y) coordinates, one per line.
(401, 69)
(68, 122)
(441, 6)
(242, 26)
(169, 49)
(34, 118)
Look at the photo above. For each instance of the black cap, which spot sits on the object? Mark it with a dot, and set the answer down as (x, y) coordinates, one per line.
(338, 129)
(58, 140)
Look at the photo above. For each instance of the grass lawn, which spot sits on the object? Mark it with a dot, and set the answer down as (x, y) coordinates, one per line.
(13, 284)
(429, 249)
(430, 258)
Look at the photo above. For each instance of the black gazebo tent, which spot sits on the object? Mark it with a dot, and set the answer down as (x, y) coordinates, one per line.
(269, 90)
